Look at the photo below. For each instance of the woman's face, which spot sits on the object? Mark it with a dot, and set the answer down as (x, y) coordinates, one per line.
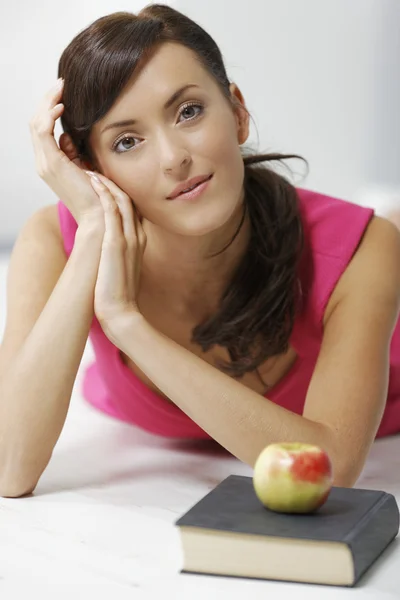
(198, 133)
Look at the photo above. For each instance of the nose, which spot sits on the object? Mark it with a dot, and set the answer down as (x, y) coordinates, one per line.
(174, 156)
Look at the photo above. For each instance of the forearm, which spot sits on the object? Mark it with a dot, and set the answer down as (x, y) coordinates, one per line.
(238, 418)
(35, 392)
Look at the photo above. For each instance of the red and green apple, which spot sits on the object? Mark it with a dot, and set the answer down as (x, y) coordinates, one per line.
(293, 477)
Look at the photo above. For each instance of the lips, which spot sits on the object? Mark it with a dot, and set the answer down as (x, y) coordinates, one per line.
(187, 185)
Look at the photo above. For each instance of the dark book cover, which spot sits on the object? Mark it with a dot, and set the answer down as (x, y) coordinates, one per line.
(365, 520)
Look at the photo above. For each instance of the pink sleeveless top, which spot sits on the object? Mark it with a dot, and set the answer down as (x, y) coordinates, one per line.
(110, 386)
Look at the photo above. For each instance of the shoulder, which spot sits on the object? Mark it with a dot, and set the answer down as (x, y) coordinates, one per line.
(39, 240)
(332, 225)
(333, 230)
(41, 233)
(45, 218)
(55, 223)
(373, 273)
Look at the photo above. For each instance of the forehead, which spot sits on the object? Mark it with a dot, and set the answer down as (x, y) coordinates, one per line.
(169, 67)
(170, 61)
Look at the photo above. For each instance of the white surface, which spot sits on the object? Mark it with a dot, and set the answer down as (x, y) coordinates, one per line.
(320, 78)
(101, 519)
(28, 68)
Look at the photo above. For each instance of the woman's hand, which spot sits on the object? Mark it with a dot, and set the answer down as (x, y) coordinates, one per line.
(62, 171)
(122, 251)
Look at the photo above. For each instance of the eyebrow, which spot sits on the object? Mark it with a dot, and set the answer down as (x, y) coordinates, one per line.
(167, 105)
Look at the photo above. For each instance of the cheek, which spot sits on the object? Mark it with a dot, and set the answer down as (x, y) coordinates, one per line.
(224, 150)
(134, 179)
(221, 142)
(218, 139)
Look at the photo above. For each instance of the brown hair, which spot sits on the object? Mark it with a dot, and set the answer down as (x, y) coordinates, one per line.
(256, 313)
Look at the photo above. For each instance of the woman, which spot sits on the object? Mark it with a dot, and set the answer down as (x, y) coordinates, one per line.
(220, 301)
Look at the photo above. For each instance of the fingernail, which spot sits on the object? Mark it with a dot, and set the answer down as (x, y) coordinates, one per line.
(59, 83)
(95, 178)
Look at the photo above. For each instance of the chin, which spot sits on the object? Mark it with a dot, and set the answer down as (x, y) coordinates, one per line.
(203, 227)
(209, 220)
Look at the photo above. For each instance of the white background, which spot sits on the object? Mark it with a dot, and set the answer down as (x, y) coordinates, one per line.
(320, 78)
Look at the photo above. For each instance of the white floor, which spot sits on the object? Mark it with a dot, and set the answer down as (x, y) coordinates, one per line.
(102, 517)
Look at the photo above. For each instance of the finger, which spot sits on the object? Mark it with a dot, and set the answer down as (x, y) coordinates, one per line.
(139, 231)
(49, 106)
(112, 217)
(113, 266)
(137, 256)
(128, 226)
(42, 128)
(52, 96)
(129, 208)
(114, 189)
(125, 206)
(129, 229)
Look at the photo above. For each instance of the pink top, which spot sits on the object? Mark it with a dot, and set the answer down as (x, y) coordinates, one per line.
(113, 388)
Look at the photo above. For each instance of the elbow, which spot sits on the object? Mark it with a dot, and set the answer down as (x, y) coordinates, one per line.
(346, 472)
(16, 489)
(344, 478)
(347, 460)
(18, 479)
(14, 483)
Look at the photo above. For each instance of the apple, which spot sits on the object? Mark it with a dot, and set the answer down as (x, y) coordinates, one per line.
(293, 477)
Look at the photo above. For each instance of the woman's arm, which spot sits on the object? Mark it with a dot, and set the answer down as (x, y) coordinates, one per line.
(50, 309)
(348, 390)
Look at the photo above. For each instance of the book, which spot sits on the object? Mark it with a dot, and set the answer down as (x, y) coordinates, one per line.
(229, 532)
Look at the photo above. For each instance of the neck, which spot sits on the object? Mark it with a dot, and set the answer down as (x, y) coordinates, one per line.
(182, 273)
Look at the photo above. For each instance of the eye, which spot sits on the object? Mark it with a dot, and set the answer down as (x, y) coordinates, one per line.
(188, 111)
(119, 145)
